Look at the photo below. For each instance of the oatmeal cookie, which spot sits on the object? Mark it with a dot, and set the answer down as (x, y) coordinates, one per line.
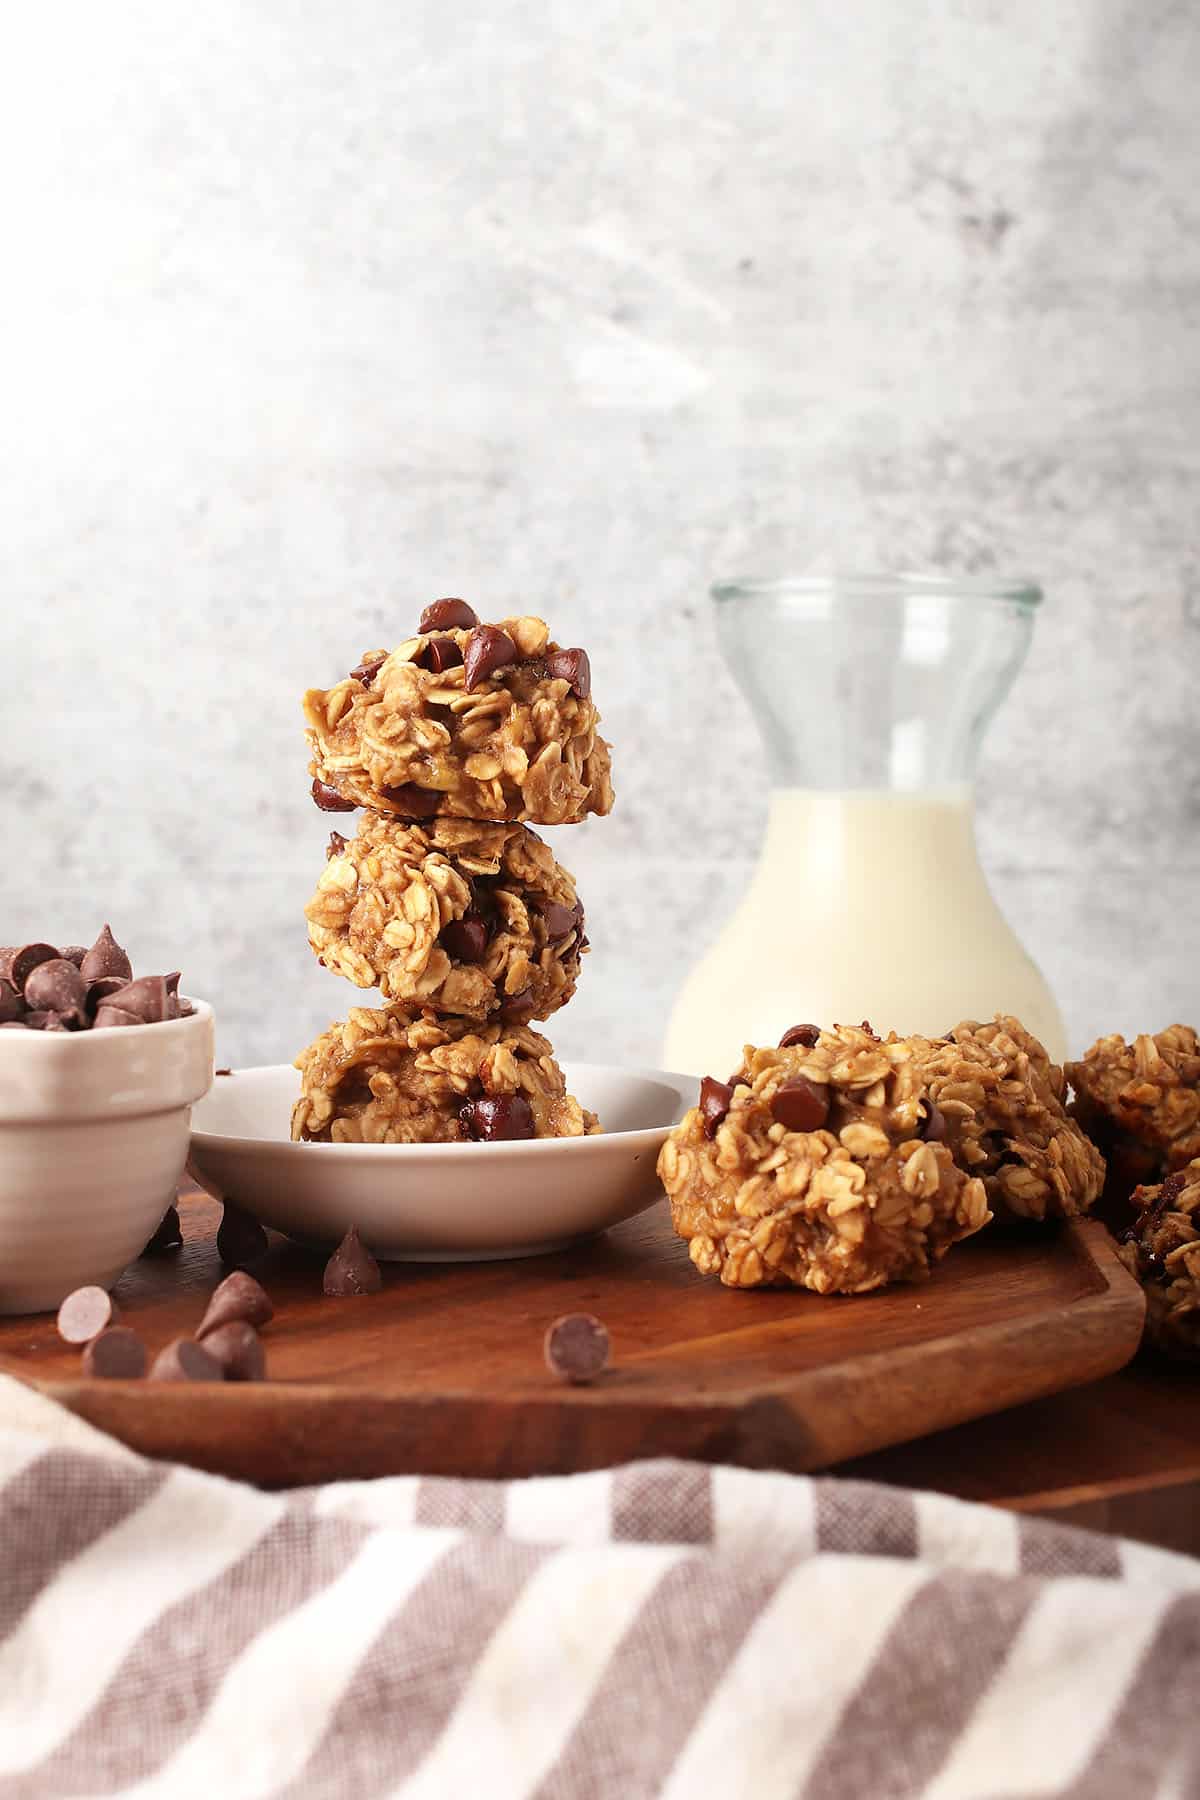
(1163, 1251)
(1002, 1101)
(391, 1076)
(1140, 1102)
(819, 1165)
(451, 917)
(464, 721)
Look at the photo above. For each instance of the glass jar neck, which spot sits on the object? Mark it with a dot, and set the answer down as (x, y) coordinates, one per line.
(877, 683)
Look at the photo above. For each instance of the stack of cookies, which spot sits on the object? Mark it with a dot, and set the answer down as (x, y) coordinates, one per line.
(453, 745)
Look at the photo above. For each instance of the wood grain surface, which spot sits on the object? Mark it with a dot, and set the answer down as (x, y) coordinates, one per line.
(442, 1372)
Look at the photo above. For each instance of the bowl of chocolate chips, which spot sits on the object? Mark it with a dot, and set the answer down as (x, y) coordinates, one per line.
(99, 1070)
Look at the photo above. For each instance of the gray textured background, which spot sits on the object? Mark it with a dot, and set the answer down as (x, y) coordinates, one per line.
(316, 310)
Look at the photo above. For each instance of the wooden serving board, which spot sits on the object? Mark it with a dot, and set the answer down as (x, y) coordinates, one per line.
(442, 1372)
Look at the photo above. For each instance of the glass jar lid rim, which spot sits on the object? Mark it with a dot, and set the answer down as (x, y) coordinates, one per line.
(865, 585)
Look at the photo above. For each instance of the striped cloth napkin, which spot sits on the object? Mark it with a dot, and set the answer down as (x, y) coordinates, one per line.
(662, 1629)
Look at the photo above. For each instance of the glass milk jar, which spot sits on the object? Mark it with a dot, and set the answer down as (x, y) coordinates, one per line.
(873, 695)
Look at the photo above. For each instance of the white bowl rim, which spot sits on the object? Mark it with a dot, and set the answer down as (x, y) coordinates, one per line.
(105, 1033)
(644, 1135)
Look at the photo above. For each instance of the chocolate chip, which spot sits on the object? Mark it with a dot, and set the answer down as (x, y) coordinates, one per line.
(368, 668)
(573, 667)
(239, 1296)
(800, 1105)
(337, 845)
(465, 939)
(147, 999)
(168, 1234)
(439, 654)
(241, 1240)
(488, 649)
(185, 1360)
(25, 961)
(12, 1006)
(174, 1006)
(118, 1354)
(559, 920)
(351, 1269)
(931, 1122)
(74, 953)
(411, 801)
(43, 1020)
(108, 1016)
(518, 1009)
(716, 1097)
(101, 990)
(84, 1314)
(57, 986)
(237, 1347)
(866, 1026)
(498, 1118)
(222, 1071)
(576, 1347)
(106, 957)
(448, 615)
(800, 1034)
(328, 798)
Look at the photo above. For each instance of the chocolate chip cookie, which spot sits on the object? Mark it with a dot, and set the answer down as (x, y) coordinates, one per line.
(391, 1076)
(466, 721)
(475, 920)
(1002, 1101)
(1163, 1251)
(1140, 1103)
(819, 1163)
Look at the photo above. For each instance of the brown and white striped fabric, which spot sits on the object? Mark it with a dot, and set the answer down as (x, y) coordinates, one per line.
(662, 1629)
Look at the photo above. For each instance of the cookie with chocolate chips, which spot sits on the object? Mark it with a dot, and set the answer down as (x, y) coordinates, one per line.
(1162, 1249)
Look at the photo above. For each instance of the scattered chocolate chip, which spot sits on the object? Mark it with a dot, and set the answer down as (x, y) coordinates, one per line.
(241, 1240)
(488, 649)
(448, 615)
(186, 1360)
(25, 961)
(716, 1097)
(576, 1347)
(328, 798)
(465, 939)
(147, 999)
(498, 1118)
(57, 986)
(222, 1071)
(12, 1005)
(351, 1269)
(931, 1122)
(239, 1296)
(84, 1314)
(168, 1234)
(102, 989)
(337, 845)
(108, 1016)
(118, 1354)
(368, 668)
(106, 957)
(74, 953)
(559, 920)
(573, 667)
(800, 1105)
(411, 801)
(174, 1006)
(237, 1347)
(439, 654)
(800, 1034)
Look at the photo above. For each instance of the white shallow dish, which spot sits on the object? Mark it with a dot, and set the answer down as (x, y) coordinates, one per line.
(439, 1202)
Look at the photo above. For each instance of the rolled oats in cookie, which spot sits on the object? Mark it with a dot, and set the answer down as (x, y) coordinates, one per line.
(452, 916)
(1140, 1102)
(391, 1076)
(463, 720)
(1001, 1102)
(1163, 1251)
(817, 1171)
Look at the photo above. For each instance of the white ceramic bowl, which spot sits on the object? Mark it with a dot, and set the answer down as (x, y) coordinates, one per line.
(93, 1139)
(439, 1202)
